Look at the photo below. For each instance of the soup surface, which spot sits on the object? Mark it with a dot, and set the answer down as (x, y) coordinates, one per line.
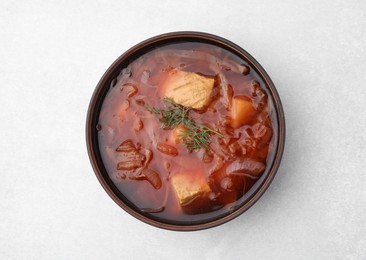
(187, 132)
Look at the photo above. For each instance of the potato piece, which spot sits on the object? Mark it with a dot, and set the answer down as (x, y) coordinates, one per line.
(189, 187)
(242, 111)
(188, 89)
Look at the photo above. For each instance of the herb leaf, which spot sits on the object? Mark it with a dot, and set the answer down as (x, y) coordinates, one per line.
(195, 137)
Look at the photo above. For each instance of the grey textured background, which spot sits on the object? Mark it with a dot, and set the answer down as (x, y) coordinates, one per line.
(52, 54)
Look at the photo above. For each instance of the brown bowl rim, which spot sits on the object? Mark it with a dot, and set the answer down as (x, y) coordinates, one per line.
(154, 41)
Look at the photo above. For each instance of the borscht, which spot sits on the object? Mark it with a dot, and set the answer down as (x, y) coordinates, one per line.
(186, 131)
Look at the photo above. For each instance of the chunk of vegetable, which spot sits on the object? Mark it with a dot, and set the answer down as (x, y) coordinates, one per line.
(167, 149)
(129, 89)
(246, 166)
(129, 157)
(262, 134)
(227, 188)
(151, 176)
(188, 89)
(130, 164)
(242, 111)
(126, 146)
(174, 137)
(226, 91)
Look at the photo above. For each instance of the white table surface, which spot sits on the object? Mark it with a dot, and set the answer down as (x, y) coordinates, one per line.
(52, 55)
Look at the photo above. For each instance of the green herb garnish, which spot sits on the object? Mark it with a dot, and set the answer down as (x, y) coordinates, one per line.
(195, 137)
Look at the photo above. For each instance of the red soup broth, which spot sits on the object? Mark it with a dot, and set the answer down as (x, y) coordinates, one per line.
(151, 166)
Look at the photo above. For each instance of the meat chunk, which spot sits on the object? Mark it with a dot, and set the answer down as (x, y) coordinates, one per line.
(188, 89)
(189, 187)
